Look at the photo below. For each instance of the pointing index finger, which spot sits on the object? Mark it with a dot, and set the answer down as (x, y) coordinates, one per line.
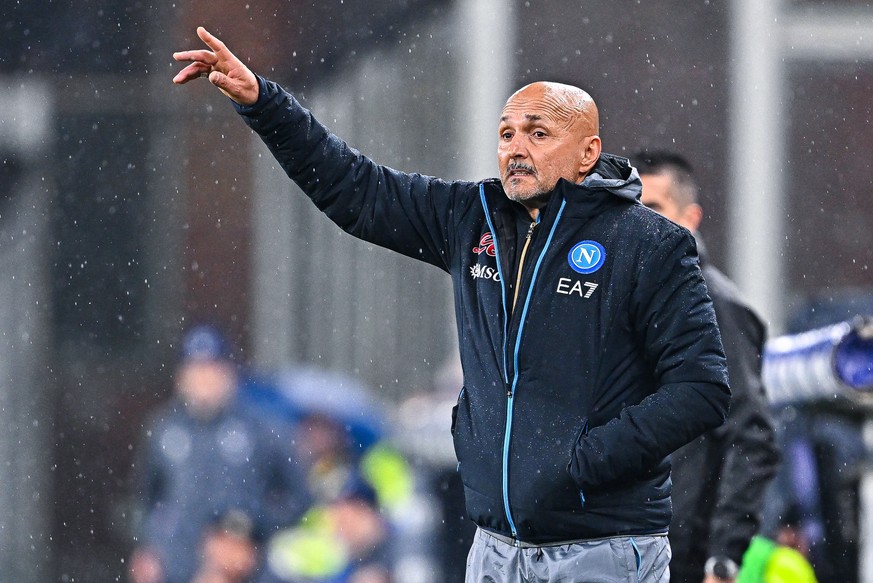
(211, 41)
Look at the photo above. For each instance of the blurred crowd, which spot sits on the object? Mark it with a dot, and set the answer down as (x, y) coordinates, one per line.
(290, 477)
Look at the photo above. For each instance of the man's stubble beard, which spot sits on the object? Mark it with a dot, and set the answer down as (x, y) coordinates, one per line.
(534, 201)
(529, 198)
(535, 196)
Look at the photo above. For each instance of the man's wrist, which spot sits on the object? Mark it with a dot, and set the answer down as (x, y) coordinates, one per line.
(721, 567)
(262, 95)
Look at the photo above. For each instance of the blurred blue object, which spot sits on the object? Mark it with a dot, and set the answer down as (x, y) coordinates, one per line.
(336, 396)
(298, 392)
(821, 364)
(853, 360)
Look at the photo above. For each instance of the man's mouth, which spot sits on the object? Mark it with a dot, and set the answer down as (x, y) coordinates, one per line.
(516, 171)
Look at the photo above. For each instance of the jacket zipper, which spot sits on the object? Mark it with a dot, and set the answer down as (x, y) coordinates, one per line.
(510, 387)
(508, 426)
(530, 230)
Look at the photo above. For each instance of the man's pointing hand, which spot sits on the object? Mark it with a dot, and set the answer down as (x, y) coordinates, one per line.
(221, 66)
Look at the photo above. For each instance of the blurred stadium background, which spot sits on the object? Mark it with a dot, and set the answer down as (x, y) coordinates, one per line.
(130, 208)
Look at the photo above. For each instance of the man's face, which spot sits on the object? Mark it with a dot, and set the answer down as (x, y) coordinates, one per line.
(540, 141)
(206, 386)
(658, 196)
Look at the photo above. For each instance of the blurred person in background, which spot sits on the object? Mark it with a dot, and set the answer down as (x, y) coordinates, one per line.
(215, 477)
(720, 479)
(361, 484)
(423, 432)
(814, 505)
(227, 551)
(768, 561)
(346, 539)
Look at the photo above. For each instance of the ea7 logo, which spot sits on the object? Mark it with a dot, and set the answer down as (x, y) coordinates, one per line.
(569, 287)
(486, 245)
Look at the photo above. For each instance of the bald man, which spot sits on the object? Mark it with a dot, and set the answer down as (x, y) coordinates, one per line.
(588, 342)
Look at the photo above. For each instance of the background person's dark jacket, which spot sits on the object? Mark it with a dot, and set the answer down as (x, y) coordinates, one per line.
(192, 473)
(719, 479)
(573, 401)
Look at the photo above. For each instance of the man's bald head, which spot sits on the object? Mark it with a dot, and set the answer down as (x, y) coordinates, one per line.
(547, 131)
(566, 102)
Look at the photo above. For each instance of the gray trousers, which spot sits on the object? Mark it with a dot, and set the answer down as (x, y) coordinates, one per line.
(620, 559)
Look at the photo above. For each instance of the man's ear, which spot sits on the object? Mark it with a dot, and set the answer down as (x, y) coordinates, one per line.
(590, 154)
(692, 215)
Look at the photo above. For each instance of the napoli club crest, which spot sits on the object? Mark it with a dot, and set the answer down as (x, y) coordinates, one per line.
(587, 257)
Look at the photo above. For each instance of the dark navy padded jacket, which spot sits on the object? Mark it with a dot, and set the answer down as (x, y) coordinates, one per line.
(610, 360)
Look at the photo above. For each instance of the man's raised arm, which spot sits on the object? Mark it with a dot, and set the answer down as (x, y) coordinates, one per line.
(224, 70)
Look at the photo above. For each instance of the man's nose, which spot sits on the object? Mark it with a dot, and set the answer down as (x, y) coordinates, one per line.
(515, 148)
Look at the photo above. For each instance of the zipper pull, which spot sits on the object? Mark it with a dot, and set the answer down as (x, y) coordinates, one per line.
(530, 230)
(508, 390)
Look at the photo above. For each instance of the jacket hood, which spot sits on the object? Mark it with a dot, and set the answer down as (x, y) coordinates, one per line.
(612, 180)
(616, 175)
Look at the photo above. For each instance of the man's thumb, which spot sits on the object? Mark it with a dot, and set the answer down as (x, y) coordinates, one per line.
(218, 79)
(224, 84)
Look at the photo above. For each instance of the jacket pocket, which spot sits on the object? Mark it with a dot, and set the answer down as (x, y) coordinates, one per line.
(583, 431)
(455, 408)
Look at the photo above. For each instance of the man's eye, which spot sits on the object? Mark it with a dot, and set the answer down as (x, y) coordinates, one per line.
(506, 135)
(539, 134)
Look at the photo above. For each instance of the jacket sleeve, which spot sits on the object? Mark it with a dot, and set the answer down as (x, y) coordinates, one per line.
(408, 213)
(675, 327)
(747, 438)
